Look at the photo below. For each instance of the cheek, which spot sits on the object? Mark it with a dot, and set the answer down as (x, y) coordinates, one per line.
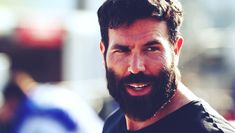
(155, 63)
(163, 59)
(117, 64)
(167, 60)
(169, 57)
(154, 66)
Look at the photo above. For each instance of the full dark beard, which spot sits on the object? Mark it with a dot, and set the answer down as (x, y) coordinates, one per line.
(142, 107)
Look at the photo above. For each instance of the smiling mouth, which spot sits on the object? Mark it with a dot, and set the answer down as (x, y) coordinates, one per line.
(138, 89)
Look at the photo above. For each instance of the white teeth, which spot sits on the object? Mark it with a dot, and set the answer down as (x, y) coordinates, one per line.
(137, 89)
(137, 86)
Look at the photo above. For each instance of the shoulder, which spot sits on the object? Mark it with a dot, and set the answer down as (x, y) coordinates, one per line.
(115, 122)
(206, 120)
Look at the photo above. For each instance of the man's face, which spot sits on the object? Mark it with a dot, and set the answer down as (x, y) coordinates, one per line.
(140, 67)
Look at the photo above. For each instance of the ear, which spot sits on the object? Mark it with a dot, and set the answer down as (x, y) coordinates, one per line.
(178, 45)
(177, 48)
(102, 50)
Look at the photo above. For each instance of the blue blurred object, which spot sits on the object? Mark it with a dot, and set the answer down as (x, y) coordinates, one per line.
(53, 109)
(13, 98)
(34, 119)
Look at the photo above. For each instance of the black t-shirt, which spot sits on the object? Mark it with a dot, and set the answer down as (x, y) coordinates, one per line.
(194, 117)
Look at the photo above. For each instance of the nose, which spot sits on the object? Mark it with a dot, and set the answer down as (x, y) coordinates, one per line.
(136, 64)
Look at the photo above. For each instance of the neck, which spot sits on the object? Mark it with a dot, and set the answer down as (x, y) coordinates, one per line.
(182, 97)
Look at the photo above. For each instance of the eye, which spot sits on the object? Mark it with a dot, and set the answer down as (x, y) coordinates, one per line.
(122, 50)
(152, 48)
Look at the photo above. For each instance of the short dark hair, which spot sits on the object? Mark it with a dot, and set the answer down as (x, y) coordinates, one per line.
(116, 13)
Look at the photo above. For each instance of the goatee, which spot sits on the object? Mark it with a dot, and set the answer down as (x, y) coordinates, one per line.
(142, 107)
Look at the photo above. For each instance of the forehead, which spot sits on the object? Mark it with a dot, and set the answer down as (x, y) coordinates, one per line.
(140, 30)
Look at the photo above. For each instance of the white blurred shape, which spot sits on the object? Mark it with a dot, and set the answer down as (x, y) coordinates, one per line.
(82, 59)
(49, 96)
(8, 22)
(42, 125)
(4, 74)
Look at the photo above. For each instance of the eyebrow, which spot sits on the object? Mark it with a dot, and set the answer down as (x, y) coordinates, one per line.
(152, 42)
(120, 46)
(123, 46)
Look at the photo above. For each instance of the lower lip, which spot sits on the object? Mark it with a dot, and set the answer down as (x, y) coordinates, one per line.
(146, 90)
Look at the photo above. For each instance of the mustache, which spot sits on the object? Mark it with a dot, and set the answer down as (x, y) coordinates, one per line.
(137, 78)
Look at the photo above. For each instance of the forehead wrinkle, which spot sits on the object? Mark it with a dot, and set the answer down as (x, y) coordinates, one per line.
(146, 26)
(126, 37)
(140, 31)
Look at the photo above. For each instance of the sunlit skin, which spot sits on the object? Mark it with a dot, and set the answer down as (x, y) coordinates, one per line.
(143, 47)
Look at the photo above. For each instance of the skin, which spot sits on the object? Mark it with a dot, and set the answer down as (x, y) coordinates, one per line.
(144, 47)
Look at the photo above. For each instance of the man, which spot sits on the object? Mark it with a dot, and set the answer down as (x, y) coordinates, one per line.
(141, 47)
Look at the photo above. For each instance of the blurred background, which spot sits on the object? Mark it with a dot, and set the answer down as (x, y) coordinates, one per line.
(50, 58)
